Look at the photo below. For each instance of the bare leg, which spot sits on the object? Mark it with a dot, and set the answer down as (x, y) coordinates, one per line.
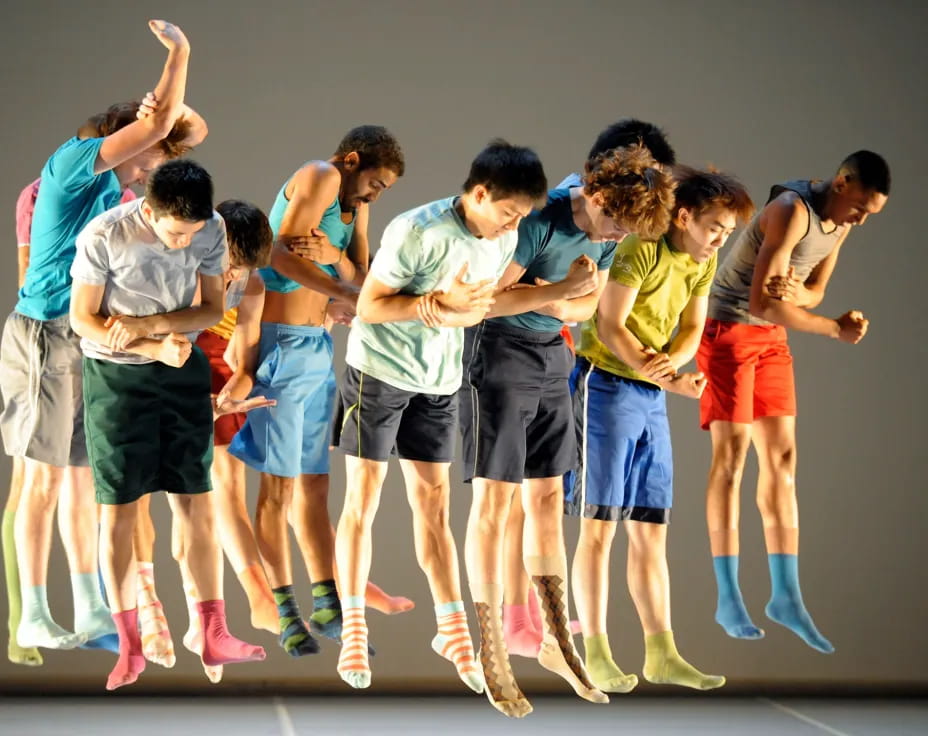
(274, 500)
(730, 443)
(775, 441)
(238, 537)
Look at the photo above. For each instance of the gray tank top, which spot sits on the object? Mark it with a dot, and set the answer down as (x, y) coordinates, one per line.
(731, 290)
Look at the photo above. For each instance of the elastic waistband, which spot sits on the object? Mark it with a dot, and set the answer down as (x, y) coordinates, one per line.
(614, 377)
(501, 329)
(283, 330)
(63, 321)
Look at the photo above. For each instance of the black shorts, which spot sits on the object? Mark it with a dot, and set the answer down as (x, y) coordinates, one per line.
(378, 419)
(516, 415)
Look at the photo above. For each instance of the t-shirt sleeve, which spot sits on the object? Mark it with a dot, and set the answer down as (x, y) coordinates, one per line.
(127, 195)
(396, 262)
(91, 261)
(71, 166)
(607, 256)
(25, 207)
(216, 259)
(531, 240)
(634, 259)
(705, 281)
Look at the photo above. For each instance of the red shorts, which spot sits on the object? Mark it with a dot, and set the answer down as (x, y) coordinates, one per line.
(224, 428)
(568, 338)
(749, 370)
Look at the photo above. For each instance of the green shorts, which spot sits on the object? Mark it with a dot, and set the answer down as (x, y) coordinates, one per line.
(149, 427)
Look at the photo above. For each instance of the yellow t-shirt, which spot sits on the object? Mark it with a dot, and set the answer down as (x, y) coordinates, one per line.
(665, 279)
(226, 325)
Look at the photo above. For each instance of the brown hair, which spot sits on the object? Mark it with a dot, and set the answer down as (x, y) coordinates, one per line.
(700, 191)
(248, 233)
(376, 147)
(636, 194)
(121, 114)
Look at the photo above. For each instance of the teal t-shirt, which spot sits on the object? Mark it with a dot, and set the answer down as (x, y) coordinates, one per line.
(71, 195)
(549, 241)
(339, 234)
(422, 251)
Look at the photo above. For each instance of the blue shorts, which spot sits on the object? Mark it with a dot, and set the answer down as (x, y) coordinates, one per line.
(626, 460)
(292, 438)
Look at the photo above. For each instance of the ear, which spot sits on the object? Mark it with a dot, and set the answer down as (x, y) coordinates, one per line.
(480, 194)
(351, 161)
(839, 183)
(683, 218)
(148, 212)
(597, 200)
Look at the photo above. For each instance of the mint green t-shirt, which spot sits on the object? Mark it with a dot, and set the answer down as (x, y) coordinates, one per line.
(421, 251)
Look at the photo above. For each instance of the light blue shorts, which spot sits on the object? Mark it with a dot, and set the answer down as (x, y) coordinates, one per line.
(291, 438)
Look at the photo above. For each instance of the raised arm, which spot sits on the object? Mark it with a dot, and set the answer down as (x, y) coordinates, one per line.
(169, 94)
(311, 191)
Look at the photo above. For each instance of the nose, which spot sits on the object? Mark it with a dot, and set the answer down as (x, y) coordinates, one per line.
(862, 218)
(373, 196)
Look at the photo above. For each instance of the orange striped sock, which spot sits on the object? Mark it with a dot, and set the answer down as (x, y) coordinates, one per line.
(157, 645)
(353, 666)
(453, 643)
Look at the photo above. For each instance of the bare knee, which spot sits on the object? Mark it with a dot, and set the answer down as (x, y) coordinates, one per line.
(430, 504)
(275, 495)
(728, 456)
(596, 535)
(44, 487)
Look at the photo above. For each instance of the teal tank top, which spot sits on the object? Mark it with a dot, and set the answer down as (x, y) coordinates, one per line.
(331, 224)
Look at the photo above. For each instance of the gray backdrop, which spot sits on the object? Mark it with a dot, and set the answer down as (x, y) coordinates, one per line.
(768, 91)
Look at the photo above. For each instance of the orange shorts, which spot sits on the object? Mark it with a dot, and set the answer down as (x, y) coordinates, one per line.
(226, 427)
(568, 337)
(749, 370)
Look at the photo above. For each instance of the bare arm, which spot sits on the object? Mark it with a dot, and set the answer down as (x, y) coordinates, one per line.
(583, 284)
(311, 191)
(352, 267)
(614, 307)
(686, 342)
(245, 339)
(379, 303)
(22, 257)
(198, 127)
(142, 134)
(581, 308)
(784, 224)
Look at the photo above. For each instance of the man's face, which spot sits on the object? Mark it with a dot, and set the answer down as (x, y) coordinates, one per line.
(602, 227)
(494, 217)
(171, 231)
(705, 234)
(366, 186)
(852, 204)
(137, 169)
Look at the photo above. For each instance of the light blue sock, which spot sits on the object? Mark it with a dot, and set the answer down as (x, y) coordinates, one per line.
(91, 616)
(786, 606)
(731, 613)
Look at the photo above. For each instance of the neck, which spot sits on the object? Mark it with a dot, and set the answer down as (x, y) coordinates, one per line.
(822, 203)
(464, 205)
(579, 209)
(339, 165)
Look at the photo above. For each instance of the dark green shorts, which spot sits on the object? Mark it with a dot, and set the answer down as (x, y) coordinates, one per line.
(149, 427)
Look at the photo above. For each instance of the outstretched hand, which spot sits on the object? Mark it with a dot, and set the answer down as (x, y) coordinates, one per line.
(171, 36)
(224, 404)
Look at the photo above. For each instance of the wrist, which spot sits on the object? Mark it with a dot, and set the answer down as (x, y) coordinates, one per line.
(834, 329)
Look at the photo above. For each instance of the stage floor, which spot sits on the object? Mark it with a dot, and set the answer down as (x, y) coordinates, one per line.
(365, 714)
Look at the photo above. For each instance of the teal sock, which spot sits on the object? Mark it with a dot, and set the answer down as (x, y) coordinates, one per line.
(294, 636)
(326, 618)
(731, 613)
(786, 606)
(91, 616)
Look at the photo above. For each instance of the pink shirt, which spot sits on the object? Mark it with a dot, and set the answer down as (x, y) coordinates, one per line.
(25, 206)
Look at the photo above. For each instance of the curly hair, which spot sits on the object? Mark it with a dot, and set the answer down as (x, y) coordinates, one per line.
(121, 114)
(635, 193)
(700, 191)
(376, 148)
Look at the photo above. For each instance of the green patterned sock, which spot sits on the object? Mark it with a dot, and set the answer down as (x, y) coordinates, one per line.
(294, 636)
(326, 618)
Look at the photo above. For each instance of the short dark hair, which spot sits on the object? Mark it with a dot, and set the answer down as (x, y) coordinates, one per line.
(180, 188)
(506, 171)
(628, 132)
(121, 114)
(376, 148)
(700, 191)
(869, 169)
(248, 233)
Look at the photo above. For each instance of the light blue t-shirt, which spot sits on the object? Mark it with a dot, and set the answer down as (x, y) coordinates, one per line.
(71, 195)
(338, 231)
(422, 251)
(570, 181)
(549, 241)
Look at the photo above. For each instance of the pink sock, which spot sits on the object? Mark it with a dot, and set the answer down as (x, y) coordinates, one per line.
(131, 662)
(521, 637)
(219, 646)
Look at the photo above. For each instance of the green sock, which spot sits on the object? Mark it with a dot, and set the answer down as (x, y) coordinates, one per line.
(663, 665)
(326, 618)
(16, 654)
(294, 636)
(603, 670)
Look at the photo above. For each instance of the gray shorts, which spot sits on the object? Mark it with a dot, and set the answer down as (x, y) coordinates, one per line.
(40, 378)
